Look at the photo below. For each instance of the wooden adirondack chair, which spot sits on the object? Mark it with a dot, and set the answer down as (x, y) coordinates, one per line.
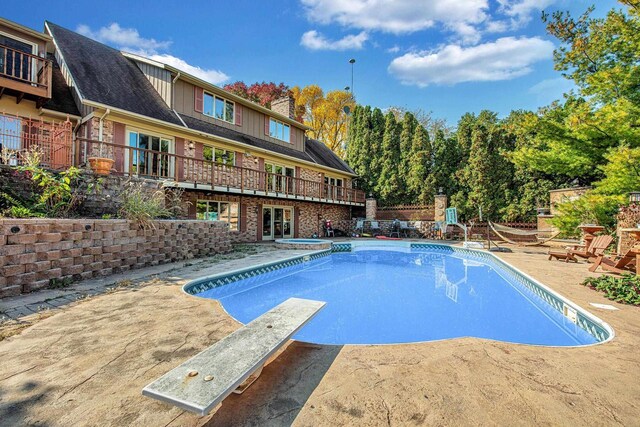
(619, 263)
(595, 249)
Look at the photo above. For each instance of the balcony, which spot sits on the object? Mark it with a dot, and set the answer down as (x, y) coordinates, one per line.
(23, 74)
(19, 135)
(189, 173)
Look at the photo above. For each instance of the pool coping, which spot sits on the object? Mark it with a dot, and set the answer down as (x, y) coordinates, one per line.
(584, 319)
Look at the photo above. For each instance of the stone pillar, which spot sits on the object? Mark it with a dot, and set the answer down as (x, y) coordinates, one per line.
(439, 206)
(371, 208)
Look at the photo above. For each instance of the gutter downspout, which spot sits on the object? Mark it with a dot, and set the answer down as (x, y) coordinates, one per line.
(173, 96)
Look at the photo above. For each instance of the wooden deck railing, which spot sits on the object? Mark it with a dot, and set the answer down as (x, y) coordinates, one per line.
(53, 140)
(25, 72)
(134, 161)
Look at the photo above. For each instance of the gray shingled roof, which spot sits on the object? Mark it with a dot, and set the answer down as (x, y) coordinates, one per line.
(103, 75)
(61, 99)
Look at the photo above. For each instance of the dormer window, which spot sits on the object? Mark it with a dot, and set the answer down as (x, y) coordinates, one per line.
(279, 130)
(219, 108)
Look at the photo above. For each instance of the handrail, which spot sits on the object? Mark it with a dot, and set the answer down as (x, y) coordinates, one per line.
(39, 76)
(179, 168)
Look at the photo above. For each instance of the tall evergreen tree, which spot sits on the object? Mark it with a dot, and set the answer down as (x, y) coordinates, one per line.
(446, 161)
(378, 122)
(408, 127)
(420, 167)
(389, 184)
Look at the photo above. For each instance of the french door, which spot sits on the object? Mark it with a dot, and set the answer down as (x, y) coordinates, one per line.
(277, 222)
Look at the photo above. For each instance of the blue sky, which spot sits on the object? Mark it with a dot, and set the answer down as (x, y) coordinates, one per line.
(444, 56)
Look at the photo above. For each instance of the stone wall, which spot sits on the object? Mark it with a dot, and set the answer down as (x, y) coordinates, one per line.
(563, 195)
(35, 253)
(106, 198)
(310, 215)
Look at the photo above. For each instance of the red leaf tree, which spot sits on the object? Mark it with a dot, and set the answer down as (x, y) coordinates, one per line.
(262, 93)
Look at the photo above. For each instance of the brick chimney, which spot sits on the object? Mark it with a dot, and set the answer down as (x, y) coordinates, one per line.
(285, 106)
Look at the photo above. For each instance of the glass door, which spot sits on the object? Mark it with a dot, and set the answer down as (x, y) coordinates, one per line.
(277, 223)
(267, 220)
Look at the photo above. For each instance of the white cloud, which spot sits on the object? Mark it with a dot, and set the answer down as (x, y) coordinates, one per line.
(129, 39)
(393, 49)
(123, 38)
(209, 75)
(315, 41)
(468, 20)
(395, 16)
(519, 12)
(504, 59)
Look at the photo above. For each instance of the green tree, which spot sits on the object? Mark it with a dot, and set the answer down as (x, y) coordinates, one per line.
(389, 186)
(419, 187)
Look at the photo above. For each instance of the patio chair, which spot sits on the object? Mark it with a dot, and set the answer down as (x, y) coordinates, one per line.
(375, 227)
(395, 228)
(406, 228)
(596, 248)
(618, 263)
(359, 228)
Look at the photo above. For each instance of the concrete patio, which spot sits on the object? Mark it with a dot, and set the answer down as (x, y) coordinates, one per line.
(85, 363)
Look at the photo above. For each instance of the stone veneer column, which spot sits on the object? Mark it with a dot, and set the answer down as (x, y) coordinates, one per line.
(371, 208)
(440, 205)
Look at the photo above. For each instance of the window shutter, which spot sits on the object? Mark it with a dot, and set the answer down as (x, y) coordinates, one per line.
(199, 149)
(199, 99)
(266, 125)
(119, 139)
(238, 159)
(238, 108)
(292, 135)
(243, 218)
(180, 161)
(296, 222)
(259, 227)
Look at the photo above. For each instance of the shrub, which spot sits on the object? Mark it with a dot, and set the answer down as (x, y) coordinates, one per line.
(624, 289)
(142, 205)
(56, 197)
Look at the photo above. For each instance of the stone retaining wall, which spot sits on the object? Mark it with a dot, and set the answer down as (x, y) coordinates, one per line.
(36, 253)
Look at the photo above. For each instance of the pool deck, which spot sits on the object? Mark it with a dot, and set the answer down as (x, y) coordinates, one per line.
(85, 362)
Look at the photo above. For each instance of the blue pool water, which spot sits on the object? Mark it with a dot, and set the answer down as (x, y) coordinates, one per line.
(381, 296)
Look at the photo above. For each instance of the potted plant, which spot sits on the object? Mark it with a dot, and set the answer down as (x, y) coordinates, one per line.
(101, 165)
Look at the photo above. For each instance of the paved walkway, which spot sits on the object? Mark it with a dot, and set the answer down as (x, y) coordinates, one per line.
(21, 308)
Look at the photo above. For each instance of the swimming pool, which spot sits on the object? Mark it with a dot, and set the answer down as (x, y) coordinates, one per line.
(400, 294)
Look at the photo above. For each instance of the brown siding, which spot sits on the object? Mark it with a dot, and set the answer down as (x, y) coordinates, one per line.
(159, 78)
(253, 121)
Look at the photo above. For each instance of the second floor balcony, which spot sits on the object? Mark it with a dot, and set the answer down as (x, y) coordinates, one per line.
(24, 75)
(191, 173)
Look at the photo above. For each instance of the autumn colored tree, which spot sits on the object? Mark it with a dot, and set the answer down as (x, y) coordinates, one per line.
(261, 93)
(324, 114)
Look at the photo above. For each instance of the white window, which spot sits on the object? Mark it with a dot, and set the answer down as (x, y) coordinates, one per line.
(280, 178)
(212, 210)
(219, 108)
(220, 156)
(279, 130)
(149, 155)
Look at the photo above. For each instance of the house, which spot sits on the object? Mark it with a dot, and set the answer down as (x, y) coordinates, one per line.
(36, 105)
(236, 161)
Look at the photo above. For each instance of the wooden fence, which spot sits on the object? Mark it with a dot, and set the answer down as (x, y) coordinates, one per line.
(406, 213)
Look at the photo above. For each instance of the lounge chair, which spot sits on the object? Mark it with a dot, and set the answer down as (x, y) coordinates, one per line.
(406, 228)
(375, 227)
(359, 228)
(596, 248)
(618, 263)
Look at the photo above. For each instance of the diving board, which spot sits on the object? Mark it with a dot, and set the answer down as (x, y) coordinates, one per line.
(201, 383)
